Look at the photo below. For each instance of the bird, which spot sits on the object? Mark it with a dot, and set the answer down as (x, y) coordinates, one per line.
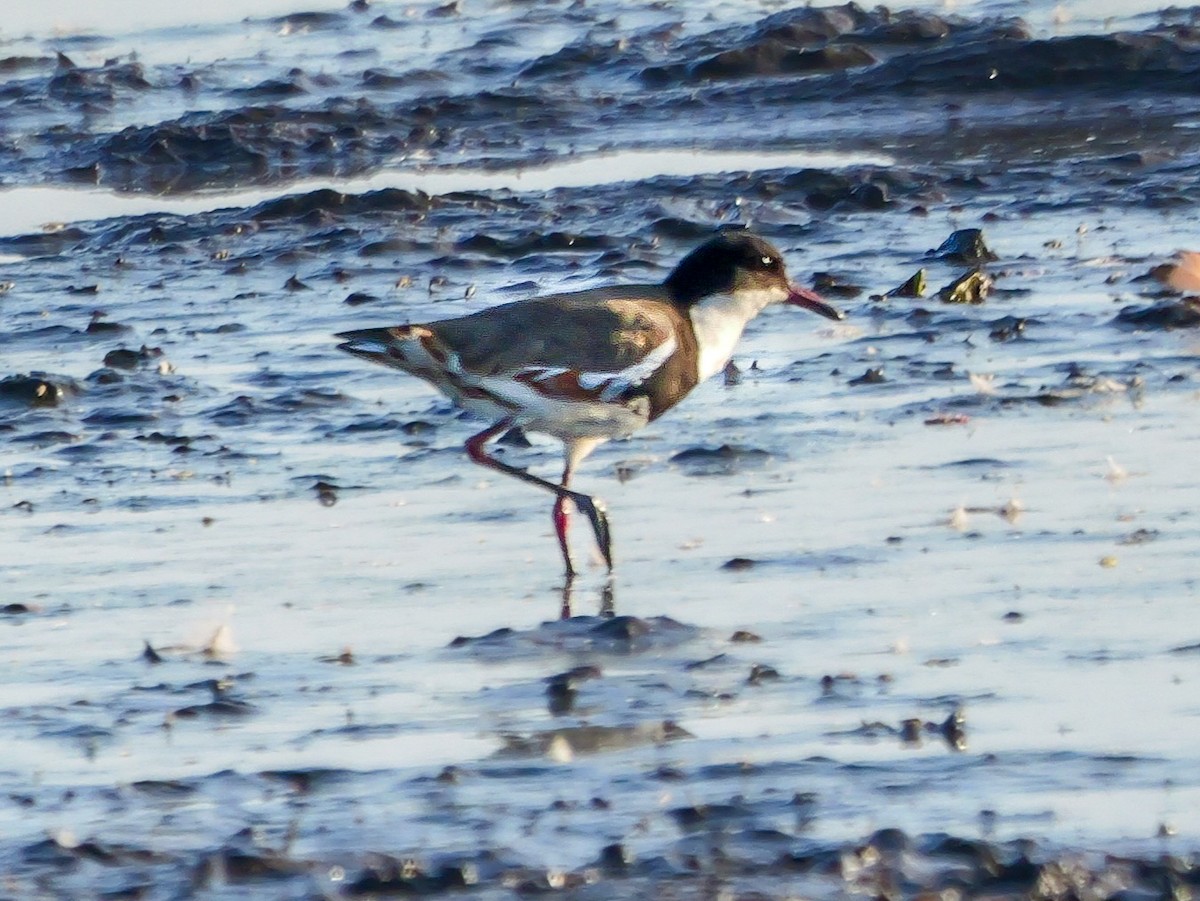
(595, 365)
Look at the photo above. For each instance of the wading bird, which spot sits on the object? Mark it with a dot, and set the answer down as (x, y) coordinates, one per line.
(594, 365)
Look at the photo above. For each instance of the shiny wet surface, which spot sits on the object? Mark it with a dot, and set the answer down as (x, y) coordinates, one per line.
(905, 605)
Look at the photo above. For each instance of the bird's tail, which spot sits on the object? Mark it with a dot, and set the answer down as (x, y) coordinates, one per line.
(369, 343)
(412, 348)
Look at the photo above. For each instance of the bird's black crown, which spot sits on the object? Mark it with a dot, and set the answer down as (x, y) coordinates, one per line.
(713, 267)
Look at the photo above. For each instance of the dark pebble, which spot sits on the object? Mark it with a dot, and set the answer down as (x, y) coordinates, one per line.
(954, 730)
(738, 564)
(493, 636)
(829, 284)
(31, 390)
(890, 841)
(15, 609)
(965, 246)
(760, 673)
(1008, 328)
(1171, 314)
(614, 859)
(418, 427)
(913, 287)
(873, 376)
(326, 493)
(122, 359)
(220, 708)
(104, 327)
(724, 457)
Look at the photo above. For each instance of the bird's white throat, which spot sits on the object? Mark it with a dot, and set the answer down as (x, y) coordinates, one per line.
(720, 319)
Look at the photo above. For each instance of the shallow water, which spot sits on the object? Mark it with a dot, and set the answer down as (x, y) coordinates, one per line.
(996, 521)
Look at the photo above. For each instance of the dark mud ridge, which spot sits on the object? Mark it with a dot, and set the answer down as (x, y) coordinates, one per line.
(720, 851)
(342, 115)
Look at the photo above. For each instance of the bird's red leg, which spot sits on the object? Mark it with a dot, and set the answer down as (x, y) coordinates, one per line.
(562, 522)
(586, 505)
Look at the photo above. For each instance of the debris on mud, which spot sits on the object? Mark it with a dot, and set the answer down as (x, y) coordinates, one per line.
(971, 288)
(964, 246)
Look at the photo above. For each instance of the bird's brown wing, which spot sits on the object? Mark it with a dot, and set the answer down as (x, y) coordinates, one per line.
(602, 330)
(608, 345)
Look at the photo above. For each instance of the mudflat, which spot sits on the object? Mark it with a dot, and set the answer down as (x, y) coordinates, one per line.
(903, 604)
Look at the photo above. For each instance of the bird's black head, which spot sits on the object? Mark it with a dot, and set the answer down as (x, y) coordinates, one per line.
(740, 263)
(729, 262)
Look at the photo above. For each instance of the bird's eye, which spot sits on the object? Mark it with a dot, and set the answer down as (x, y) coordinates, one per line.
(768, 262)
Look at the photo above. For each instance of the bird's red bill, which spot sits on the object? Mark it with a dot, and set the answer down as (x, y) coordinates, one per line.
(811, 300)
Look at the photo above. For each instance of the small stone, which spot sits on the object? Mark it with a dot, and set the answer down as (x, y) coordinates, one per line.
(16, 609)
(972, 288)
(966, 246)
(913, 287)
(738, 564)
(873, 376)
(760, 673)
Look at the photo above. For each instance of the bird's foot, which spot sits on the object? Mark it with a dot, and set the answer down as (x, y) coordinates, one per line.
(598, 517)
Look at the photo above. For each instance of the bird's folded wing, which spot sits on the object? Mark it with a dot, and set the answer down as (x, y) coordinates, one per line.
(598, 334)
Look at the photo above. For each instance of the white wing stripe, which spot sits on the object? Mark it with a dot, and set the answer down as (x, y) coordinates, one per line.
(616, 383)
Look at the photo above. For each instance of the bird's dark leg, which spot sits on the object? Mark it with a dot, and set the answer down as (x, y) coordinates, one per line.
(586, 505)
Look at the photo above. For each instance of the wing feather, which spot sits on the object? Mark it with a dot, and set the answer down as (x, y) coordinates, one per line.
(605, 331)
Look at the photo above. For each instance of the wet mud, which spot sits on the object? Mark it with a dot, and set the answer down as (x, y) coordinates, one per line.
(903, 605)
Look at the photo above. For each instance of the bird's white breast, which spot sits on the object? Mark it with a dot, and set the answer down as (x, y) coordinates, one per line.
(719, 321)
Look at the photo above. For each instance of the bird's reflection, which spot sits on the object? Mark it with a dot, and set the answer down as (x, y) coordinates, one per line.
(607, 607)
